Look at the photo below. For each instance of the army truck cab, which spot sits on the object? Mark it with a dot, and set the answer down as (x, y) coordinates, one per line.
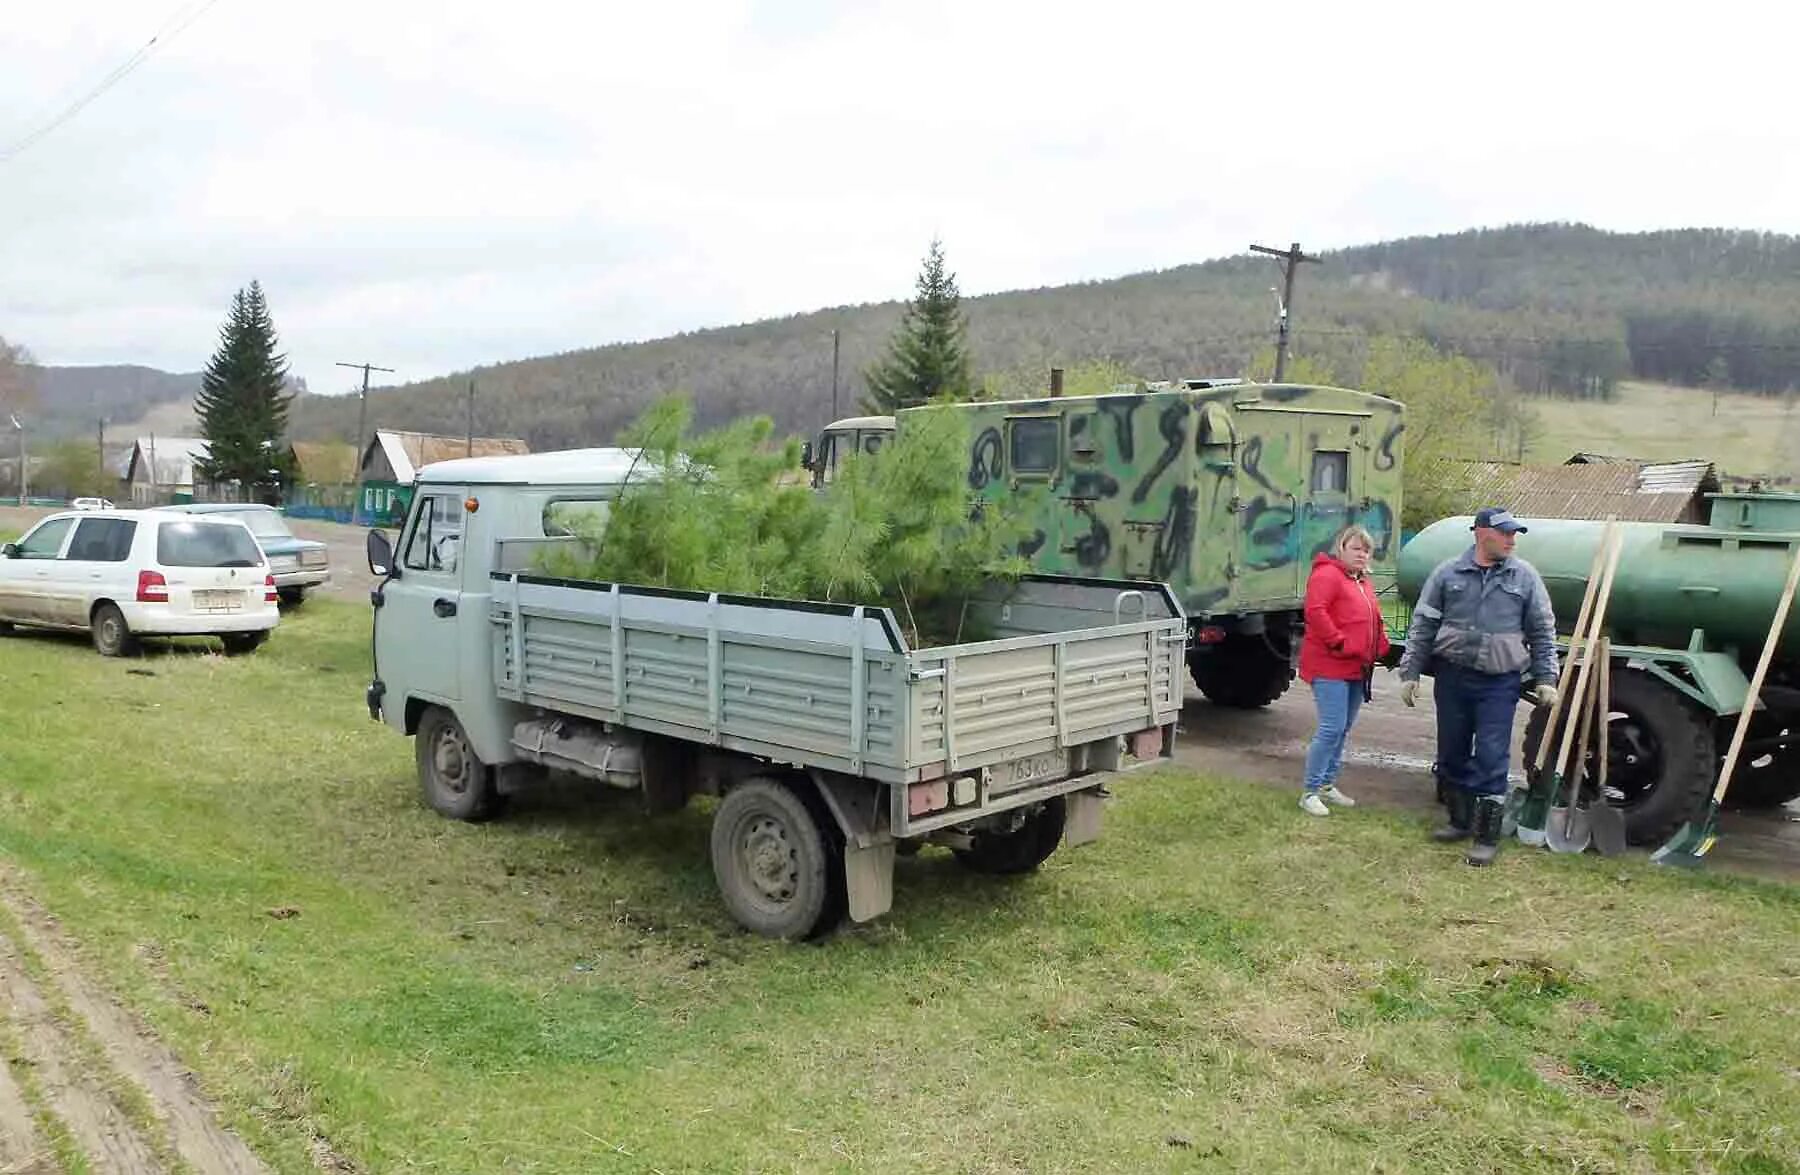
(840, 438)
(1222, 489)
(831, 743)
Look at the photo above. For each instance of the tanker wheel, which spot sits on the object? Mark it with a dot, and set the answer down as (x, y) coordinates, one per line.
(1770, 778)
(1660, 755)
(1244, 671)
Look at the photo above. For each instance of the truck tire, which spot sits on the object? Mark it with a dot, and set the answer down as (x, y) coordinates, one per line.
(1660, 755)
(777, 860)
(1771, 778)
(1242, 672)
(1023, 849)
(112, 636)
(453, 780)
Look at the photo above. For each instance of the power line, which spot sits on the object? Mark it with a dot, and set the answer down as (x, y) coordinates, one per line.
(168, 31)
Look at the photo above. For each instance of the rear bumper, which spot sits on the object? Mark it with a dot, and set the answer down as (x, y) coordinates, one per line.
(312, 577)
(158, 620)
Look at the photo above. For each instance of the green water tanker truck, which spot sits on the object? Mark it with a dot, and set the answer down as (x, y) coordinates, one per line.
(1689, 612)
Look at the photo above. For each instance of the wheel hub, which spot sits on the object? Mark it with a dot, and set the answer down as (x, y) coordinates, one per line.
(450, 762)
(769, 860)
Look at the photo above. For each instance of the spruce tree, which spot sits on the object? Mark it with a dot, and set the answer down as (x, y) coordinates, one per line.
(928, 357)
(243, 400)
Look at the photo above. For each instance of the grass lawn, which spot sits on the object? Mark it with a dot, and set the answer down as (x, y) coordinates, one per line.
(1747, 435)
(1218, 984)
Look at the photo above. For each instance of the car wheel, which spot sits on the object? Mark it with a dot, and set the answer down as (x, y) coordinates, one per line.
(237, 643)
(291, 597)
(112, 636)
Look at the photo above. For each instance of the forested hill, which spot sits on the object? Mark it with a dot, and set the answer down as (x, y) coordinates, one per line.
(1559, 309)
(71, 401)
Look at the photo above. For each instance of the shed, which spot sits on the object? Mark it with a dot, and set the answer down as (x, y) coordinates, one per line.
(1593, 486)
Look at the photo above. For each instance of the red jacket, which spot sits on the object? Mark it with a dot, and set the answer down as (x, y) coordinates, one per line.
(1344, 630)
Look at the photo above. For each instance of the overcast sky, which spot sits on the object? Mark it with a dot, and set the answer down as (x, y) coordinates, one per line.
(431, 186)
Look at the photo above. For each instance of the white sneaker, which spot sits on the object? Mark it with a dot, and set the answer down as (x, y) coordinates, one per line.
(1334, 796)
(1312, 805)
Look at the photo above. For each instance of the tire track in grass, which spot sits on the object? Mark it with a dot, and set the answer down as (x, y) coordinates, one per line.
(203, 1146)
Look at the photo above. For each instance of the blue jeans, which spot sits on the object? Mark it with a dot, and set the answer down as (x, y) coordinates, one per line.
(1337, 703)
(1474, 727)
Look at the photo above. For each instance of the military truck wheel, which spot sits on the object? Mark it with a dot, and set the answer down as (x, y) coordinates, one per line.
(452, 778)
(777, 860)
(1242, 672)
(1021, 850)
(1660, 755)
(1771, 778)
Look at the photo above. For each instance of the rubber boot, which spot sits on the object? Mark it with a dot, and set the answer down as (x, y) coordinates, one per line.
(1456, 807)
(1490, 813)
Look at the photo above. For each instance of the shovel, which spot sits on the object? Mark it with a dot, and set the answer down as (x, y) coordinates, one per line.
(1694, 840)
(1608, 821)
(1534, 811)
(1566, 830)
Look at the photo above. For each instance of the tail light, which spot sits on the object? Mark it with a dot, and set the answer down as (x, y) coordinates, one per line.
(152, 588)
(1210, 634)
(269, 589)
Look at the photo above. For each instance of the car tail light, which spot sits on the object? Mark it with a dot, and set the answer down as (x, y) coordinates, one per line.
(269, 589)
(152, 588)
(1210, 634)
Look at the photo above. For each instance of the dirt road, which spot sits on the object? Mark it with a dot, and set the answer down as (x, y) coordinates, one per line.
(82, 1083)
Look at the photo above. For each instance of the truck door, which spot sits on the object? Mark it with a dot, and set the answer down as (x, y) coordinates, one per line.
(1271, 491)
(417, 632)
(1336, 476)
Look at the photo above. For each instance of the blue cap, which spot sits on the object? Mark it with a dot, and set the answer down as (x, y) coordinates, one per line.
(1500, 518)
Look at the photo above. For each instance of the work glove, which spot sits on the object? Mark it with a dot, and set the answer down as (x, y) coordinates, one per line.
(1543, 694)
(1409, 692)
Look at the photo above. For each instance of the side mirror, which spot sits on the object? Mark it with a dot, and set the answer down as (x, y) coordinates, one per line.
(381, 554)
(10, 550)
(806, 455)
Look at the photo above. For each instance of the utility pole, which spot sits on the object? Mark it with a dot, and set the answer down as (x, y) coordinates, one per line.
(362, 426)
(834, 374)
(100, 447)
(24, 464)
(470, 452)
(1290, 260)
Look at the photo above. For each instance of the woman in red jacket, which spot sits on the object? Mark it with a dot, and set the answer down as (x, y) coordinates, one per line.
(1344, 638)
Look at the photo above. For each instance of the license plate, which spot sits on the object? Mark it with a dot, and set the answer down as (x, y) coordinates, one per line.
(1030, 769)
(218, 600)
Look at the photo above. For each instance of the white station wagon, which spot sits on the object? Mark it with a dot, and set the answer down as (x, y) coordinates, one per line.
(125, 574)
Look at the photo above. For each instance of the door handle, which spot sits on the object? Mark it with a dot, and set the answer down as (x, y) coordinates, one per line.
(444, 607)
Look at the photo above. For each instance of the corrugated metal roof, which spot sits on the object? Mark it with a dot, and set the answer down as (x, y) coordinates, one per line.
(409, 452)
(1635, 491)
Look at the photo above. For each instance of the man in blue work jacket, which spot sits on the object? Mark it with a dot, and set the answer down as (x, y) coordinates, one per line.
(1482, 627)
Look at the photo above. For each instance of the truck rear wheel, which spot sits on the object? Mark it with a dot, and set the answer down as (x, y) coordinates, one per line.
(1660, 755)
(1769, 778)
(777, 860)
(1245, 671)
(1021, 850)
(452, 778)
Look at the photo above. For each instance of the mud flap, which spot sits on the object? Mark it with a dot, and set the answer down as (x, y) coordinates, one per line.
(1082, 815)
(869, 880)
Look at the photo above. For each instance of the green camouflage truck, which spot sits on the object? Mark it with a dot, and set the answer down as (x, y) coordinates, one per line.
(1220, 488)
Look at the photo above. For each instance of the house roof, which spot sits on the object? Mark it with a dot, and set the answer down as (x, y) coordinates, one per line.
(174, 456)
(409, 452)
(1636, 491)
(325, 460)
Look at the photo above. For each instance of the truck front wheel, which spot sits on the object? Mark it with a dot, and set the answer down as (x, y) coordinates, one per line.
(1021, 850)
(454, 780)
(773, 855)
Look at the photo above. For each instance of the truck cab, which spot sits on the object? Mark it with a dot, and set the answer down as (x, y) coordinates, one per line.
(840, 438)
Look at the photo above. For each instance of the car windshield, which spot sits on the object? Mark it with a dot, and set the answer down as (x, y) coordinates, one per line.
(264, 524)
(205, 544)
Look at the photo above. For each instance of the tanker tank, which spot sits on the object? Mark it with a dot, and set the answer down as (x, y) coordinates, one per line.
(1672, 578)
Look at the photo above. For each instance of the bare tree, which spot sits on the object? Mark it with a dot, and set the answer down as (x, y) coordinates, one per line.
(17, 389)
